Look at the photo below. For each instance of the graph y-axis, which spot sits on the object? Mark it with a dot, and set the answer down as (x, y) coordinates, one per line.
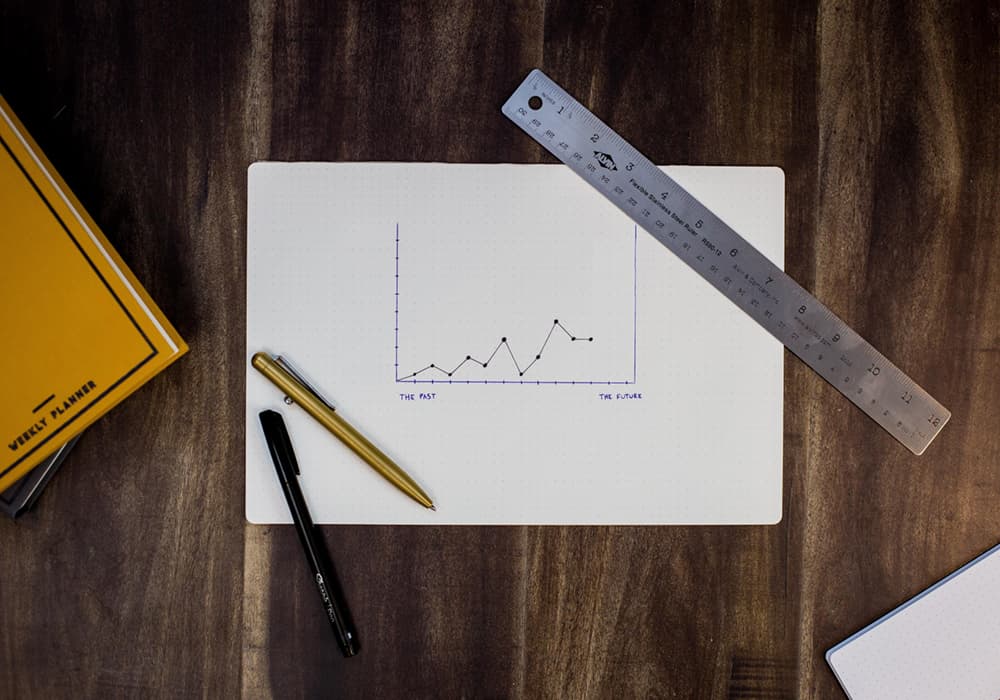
(396, 370)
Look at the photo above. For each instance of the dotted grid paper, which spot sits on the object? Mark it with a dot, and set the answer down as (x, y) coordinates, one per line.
(513, 342)
(945, 643)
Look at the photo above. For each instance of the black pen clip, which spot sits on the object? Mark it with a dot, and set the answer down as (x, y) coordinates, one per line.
(287, 366)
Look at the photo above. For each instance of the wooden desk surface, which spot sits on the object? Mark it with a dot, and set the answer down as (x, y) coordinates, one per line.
(138, 576)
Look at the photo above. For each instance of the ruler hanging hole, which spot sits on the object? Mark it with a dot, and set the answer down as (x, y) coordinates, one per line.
(535, 102)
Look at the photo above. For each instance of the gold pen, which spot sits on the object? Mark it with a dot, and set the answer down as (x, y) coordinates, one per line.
(288, 380)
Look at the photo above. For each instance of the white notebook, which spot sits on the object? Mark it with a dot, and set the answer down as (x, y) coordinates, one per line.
(944, 643)
(447, 311)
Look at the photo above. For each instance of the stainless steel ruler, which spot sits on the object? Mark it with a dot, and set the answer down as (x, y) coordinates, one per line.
(726, 260)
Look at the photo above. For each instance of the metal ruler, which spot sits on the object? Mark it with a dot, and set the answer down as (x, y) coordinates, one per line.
(726, 260)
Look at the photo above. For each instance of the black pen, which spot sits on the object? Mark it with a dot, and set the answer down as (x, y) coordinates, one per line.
(320, 565)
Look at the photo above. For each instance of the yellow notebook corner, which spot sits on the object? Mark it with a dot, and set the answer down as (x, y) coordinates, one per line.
(82, 332)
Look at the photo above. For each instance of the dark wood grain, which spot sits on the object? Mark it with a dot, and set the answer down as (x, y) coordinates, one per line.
(138, 577)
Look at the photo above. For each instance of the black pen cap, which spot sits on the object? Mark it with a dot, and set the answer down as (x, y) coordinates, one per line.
(279, 443)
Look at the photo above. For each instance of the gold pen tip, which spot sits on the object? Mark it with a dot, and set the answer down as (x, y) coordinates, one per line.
(434, 507)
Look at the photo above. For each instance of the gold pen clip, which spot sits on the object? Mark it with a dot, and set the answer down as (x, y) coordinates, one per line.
(287, 366)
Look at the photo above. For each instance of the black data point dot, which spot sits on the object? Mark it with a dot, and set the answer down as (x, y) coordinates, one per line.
(556, 321)
(485, 365)
(468, 357)
(433, 366)
(522, 374)
(449, 374)
(591, 340)
(504, 339)
(574, 337)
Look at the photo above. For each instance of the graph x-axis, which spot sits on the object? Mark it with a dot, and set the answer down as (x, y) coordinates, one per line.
(515, 381)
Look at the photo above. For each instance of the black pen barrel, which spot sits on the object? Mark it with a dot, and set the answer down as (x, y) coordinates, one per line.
(321, 568)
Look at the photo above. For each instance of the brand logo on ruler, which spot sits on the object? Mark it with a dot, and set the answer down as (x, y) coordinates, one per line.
(605, 160)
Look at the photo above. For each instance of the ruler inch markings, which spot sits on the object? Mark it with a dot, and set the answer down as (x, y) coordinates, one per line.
(727, 261)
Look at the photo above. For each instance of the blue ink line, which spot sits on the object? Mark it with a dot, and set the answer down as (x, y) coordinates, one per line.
(397, 301)
(513, 381)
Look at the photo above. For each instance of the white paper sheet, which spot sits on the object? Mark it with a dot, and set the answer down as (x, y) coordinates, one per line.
(944, 643)
(671, 414)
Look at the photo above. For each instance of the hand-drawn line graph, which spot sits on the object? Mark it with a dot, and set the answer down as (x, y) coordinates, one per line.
(445, 373)
(502, 344)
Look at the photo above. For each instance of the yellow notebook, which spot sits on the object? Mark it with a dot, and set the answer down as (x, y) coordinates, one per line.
(79, 331)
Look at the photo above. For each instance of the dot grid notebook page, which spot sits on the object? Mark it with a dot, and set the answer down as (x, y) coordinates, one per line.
(514, 343)
(944, 643)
